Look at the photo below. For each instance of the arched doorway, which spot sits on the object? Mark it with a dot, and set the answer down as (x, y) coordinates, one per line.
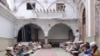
(59, 33)
(30, 32)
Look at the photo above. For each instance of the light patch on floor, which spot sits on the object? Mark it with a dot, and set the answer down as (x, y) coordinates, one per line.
(59, 52)
(2, 53)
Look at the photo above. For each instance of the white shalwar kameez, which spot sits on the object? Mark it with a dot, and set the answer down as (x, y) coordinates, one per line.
(77, 36)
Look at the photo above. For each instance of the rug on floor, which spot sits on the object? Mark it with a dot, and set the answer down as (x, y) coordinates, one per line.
(46, 52)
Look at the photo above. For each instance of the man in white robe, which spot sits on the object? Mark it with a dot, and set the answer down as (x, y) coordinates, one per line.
(77, 36)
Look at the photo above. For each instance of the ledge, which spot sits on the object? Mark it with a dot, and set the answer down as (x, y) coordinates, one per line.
(7, 14)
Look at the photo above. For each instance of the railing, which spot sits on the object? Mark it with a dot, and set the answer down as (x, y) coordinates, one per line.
(47, 10)
(48, 13)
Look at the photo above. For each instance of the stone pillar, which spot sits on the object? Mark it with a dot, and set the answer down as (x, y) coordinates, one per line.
(98, 39)
(46, 40)
(97, 25)
(90, 20)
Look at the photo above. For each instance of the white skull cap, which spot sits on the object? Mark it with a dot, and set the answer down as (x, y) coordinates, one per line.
(92, 44)
(9, 48)
(19, 44)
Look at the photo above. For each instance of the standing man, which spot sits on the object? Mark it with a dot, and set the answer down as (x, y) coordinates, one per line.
(77, 36)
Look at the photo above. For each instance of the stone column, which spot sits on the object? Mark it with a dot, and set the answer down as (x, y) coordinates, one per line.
(97, 25)
(90, 20)
(46, 40)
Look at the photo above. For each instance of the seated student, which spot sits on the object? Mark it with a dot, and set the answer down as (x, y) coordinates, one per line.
(37, 46)
(34, 46)
(69, 47)
(9, 51)
(24, 48)
(20, 50)
(76, 49)
(86, 49)
(95, 51)
(82, 50)
(30, 46)
(16, 49)
(63, 45)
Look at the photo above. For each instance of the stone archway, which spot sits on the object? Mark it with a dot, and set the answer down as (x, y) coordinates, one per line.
(30, 32)
(82, 11)
(59, 33)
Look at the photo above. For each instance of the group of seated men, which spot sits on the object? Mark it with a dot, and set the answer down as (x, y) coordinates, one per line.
(81, 49)
(23, 49)
(54, 43)
(75, 48)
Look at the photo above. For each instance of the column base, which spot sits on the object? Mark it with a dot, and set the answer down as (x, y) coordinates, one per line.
(97, 39)
(89, 39)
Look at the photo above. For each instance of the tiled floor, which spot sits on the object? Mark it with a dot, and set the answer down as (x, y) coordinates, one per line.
(2, 53)
(59, 52)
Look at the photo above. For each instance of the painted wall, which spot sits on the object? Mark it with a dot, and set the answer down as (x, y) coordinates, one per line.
(6, 28)
(41, 34)
(23, 13)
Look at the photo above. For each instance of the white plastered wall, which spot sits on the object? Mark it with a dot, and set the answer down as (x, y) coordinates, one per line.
(70, 9)
(6, 28)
